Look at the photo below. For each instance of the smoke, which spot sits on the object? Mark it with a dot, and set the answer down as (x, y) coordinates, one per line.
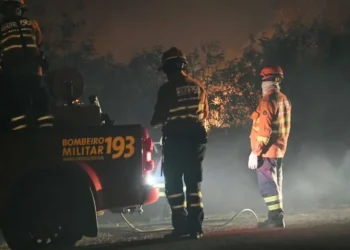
(316, 175)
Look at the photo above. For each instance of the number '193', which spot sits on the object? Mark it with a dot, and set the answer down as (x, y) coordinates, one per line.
(120, 146)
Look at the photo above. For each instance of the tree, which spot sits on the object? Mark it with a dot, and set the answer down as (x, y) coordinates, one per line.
(213, 57)
(230, 84)
(68, 44)
(315, 58)
(66, 48)
(142, 84)
(306, 54)
(205, 59)
(314, 75)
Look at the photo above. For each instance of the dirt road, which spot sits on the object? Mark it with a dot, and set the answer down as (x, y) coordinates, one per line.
(328, 229)
(325, 236)
(324, 228)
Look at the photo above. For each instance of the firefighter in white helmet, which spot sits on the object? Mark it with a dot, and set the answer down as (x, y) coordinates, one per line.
(22, 64)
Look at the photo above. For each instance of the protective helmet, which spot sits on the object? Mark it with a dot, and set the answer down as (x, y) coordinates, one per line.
(173, 59)
(19, 2)
(22, 2)
(271, 72)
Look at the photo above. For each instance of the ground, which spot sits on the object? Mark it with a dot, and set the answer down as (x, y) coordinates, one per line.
(320, 228)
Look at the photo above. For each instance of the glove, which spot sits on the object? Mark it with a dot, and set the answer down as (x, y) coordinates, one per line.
(44, 63)
(253, 161)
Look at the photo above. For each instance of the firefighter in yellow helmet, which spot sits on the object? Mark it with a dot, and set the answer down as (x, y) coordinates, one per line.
(181, 110)
(22, 64)
(268, 139)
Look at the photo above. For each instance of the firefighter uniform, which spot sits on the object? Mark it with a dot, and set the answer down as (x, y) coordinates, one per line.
(22, 64)
(268, 138)
(181, 110)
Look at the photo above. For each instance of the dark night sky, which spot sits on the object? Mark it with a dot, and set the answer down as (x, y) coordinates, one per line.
(123, 27)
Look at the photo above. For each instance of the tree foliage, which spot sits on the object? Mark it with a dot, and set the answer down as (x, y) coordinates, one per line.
(315, 58)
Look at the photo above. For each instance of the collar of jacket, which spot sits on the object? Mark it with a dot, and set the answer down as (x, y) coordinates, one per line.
(173, 78)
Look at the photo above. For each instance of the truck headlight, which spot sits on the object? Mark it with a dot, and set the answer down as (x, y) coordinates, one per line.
(150, 180)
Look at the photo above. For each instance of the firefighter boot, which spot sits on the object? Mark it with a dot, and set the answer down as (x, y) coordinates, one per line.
(275, 220)
(195, 221)
(175, 234)
(179, 221)
(184, 234)
(196, 235)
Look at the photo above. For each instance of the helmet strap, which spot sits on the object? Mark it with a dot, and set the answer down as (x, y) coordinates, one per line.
(273, 78)
(173, 66)
(19, 11)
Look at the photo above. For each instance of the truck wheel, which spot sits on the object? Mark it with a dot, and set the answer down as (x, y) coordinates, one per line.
(38, 236)
(37, 216)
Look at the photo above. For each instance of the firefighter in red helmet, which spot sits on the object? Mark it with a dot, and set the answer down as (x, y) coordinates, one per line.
(268, 139)
(181, 110)
(22, 64)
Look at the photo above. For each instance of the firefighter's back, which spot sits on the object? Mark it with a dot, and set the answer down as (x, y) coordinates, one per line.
(22, 63)
(187, 109)
(281, 123)
(19, 47)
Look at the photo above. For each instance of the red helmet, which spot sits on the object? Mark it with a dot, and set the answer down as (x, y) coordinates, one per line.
(271, 71)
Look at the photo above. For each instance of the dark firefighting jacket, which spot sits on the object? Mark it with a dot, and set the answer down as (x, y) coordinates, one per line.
(181, 107)
(20, 41)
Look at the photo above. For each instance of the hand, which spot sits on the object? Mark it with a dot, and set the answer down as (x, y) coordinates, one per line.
(253, 161)
(44, 63)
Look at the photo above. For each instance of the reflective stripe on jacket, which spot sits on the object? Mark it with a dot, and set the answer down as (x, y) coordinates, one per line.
(19, 46)
(183, 99)
(271, 125)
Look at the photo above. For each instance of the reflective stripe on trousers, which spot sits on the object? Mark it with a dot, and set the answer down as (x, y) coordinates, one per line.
(18, 122)
(161, 187)
(270, 177)
(273, 202)
(45, 121)
(194, 200)
(177, 201)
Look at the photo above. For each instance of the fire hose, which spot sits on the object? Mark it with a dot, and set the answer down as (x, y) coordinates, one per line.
(169, 228)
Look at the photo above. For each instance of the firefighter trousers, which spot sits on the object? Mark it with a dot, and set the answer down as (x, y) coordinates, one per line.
(183, 163)
(270, 177)
(27, 101)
